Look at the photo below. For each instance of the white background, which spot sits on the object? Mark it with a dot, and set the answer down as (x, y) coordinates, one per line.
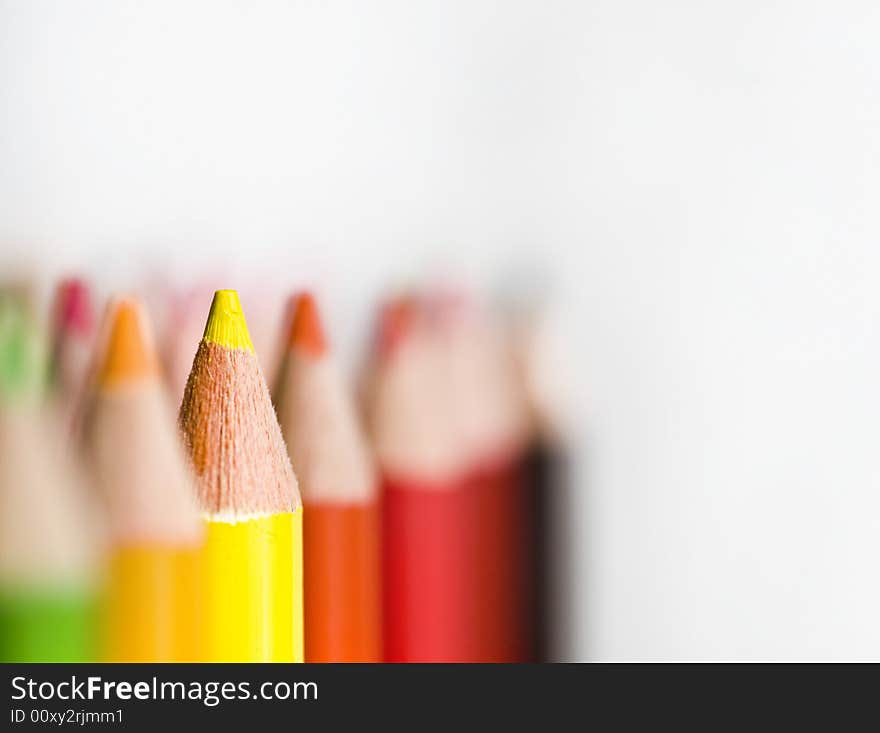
(697, 180)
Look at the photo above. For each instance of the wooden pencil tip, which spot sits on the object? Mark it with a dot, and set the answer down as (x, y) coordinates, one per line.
(129, 354)
(395, 321)
(22, 356)
(226, 325)
(73, 307)
(306, 329)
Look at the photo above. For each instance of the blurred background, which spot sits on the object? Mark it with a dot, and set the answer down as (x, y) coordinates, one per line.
(690, 187)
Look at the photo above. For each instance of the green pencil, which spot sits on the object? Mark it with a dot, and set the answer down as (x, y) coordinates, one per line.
(46, 587)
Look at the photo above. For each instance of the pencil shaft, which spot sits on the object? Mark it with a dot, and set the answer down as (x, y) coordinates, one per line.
(152, 605)
(341, 556)
(500, 541)
(428, 578)
(47, 626)
(253, 589)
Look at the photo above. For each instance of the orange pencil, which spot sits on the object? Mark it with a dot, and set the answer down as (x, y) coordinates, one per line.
(337, 482)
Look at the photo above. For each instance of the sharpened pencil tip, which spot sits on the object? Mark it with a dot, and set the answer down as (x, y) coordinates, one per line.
(306, 329)
(22, 352)
(73, 307)
(226, 325)
(129, 354)
(395, 322)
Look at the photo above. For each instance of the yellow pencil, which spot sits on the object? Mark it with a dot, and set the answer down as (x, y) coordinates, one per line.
(152, 593)
(248, 493)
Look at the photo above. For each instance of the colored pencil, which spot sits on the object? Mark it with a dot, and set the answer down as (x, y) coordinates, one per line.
(427, 575)
(247, 490)
(266, 320)
(491, 425)
(47, 607)
(182, 326)
(539, 363)
(73, 341)
(130, 437)
(505, 539)
(338, 486)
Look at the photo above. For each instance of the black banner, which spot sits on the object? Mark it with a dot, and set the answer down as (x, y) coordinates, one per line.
(545, 697)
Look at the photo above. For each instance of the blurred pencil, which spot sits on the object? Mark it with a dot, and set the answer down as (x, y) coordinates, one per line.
(73, 341)
(338, 485)
(266, 314)
(427, 577)
(131, 440)
(247, 489)
(46, 555)
(491, 427)
(182, 326)
(540, 360)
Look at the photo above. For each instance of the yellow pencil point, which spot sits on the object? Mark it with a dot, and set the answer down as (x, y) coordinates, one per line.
(226, 325)
(247, 491)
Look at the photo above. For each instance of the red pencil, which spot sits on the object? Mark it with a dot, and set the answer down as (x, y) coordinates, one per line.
(491, 427)
(427, 599)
